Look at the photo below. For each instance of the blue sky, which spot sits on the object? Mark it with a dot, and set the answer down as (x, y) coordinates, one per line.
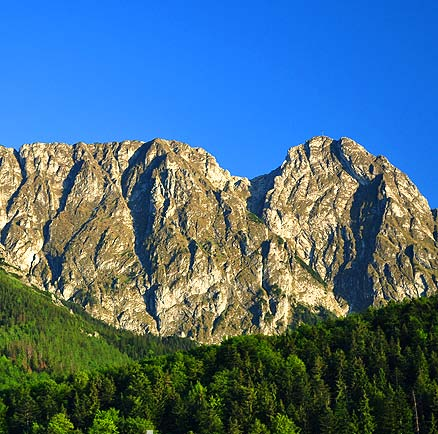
(243, 79)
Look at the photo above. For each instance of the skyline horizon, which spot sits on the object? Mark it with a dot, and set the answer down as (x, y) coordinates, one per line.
(245, 81)
(251, 177)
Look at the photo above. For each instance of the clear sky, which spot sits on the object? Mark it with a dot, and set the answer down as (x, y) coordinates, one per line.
(243, 79)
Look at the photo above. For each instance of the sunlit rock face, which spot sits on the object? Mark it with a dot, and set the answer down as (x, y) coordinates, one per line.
(155, 236)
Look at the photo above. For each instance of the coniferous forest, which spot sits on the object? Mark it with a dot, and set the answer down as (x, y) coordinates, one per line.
(63, 372)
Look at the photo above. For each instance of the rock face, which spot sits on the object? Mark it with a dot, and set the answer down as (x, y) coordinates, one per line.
(157, 237)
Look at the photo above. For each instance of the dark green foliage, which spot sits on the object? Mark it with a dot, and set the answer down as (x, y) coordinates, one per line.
(375, 372)
(280, 241)
(255, 218)
(303, 315)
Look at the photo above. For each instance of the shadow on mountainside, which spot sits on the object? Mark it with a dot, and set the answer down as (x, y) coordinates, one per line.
(353, 282)
(137, 182)
(258, 189)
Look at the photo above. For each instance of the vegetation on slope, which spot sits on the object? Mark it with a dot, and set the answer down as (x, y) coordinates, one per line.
(375, 372)
(38, 335)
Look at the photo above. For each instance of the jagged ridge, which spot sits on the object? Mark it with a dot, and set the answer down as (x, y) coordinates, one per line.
(156, 236)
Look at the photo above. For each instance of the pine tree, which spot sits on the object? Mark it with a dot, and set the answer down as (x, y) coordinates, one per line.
(60, 424)
(105, 422)
(341, 415)
(281, 424)
(366, 419)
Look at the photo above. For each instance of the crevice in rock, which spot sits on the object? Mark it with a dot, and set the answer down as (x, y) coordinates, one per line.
(67, 188)
(68, 184)
(139, 200)
(256, 313)
(435, 227)
(55, 265)
(265, 248)
(273, 306)
(259, 188)
(336, 150)
(388, 275)
(352, 282)
(193, 248)
(410, 253)
(425, 287)
(99, 245)
(21, 164)
(150, 300)
(6, 227)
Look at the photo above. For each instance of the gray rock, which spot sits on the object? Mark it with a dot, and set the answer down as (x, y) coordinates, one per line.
(157, 237)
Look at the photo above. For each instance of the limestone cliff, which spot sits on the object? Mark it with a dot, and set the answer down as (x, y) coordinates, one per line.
(155, 236)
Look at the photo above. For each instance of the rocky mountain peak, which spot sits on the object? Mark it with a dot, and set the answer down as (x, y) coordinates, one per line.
(156, 236)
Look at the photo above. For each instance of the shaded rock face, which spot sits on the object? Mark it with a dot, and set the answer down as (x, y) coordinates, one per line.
(157, 237)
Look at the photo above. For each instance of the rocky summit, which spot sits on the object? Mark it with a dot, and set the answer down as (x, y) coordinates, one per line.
(156, 237)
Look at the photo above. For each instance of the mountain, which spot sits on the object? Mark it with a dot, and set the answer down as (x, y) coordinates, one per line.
(35, 326)
(155, 236)
(373, 372)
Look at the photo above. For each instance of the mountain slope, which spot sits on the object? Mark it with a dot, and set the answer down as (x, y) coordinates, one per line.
(374, 372)
(356, 219)
(38, 335)
(156, 236)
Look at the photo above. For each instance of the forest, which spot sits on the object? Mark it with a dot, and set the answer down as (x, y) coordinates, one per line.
(373, 372)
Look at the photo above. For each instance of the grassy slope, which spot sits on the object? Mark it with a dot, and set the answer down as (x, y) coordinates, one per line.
(38, 335)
